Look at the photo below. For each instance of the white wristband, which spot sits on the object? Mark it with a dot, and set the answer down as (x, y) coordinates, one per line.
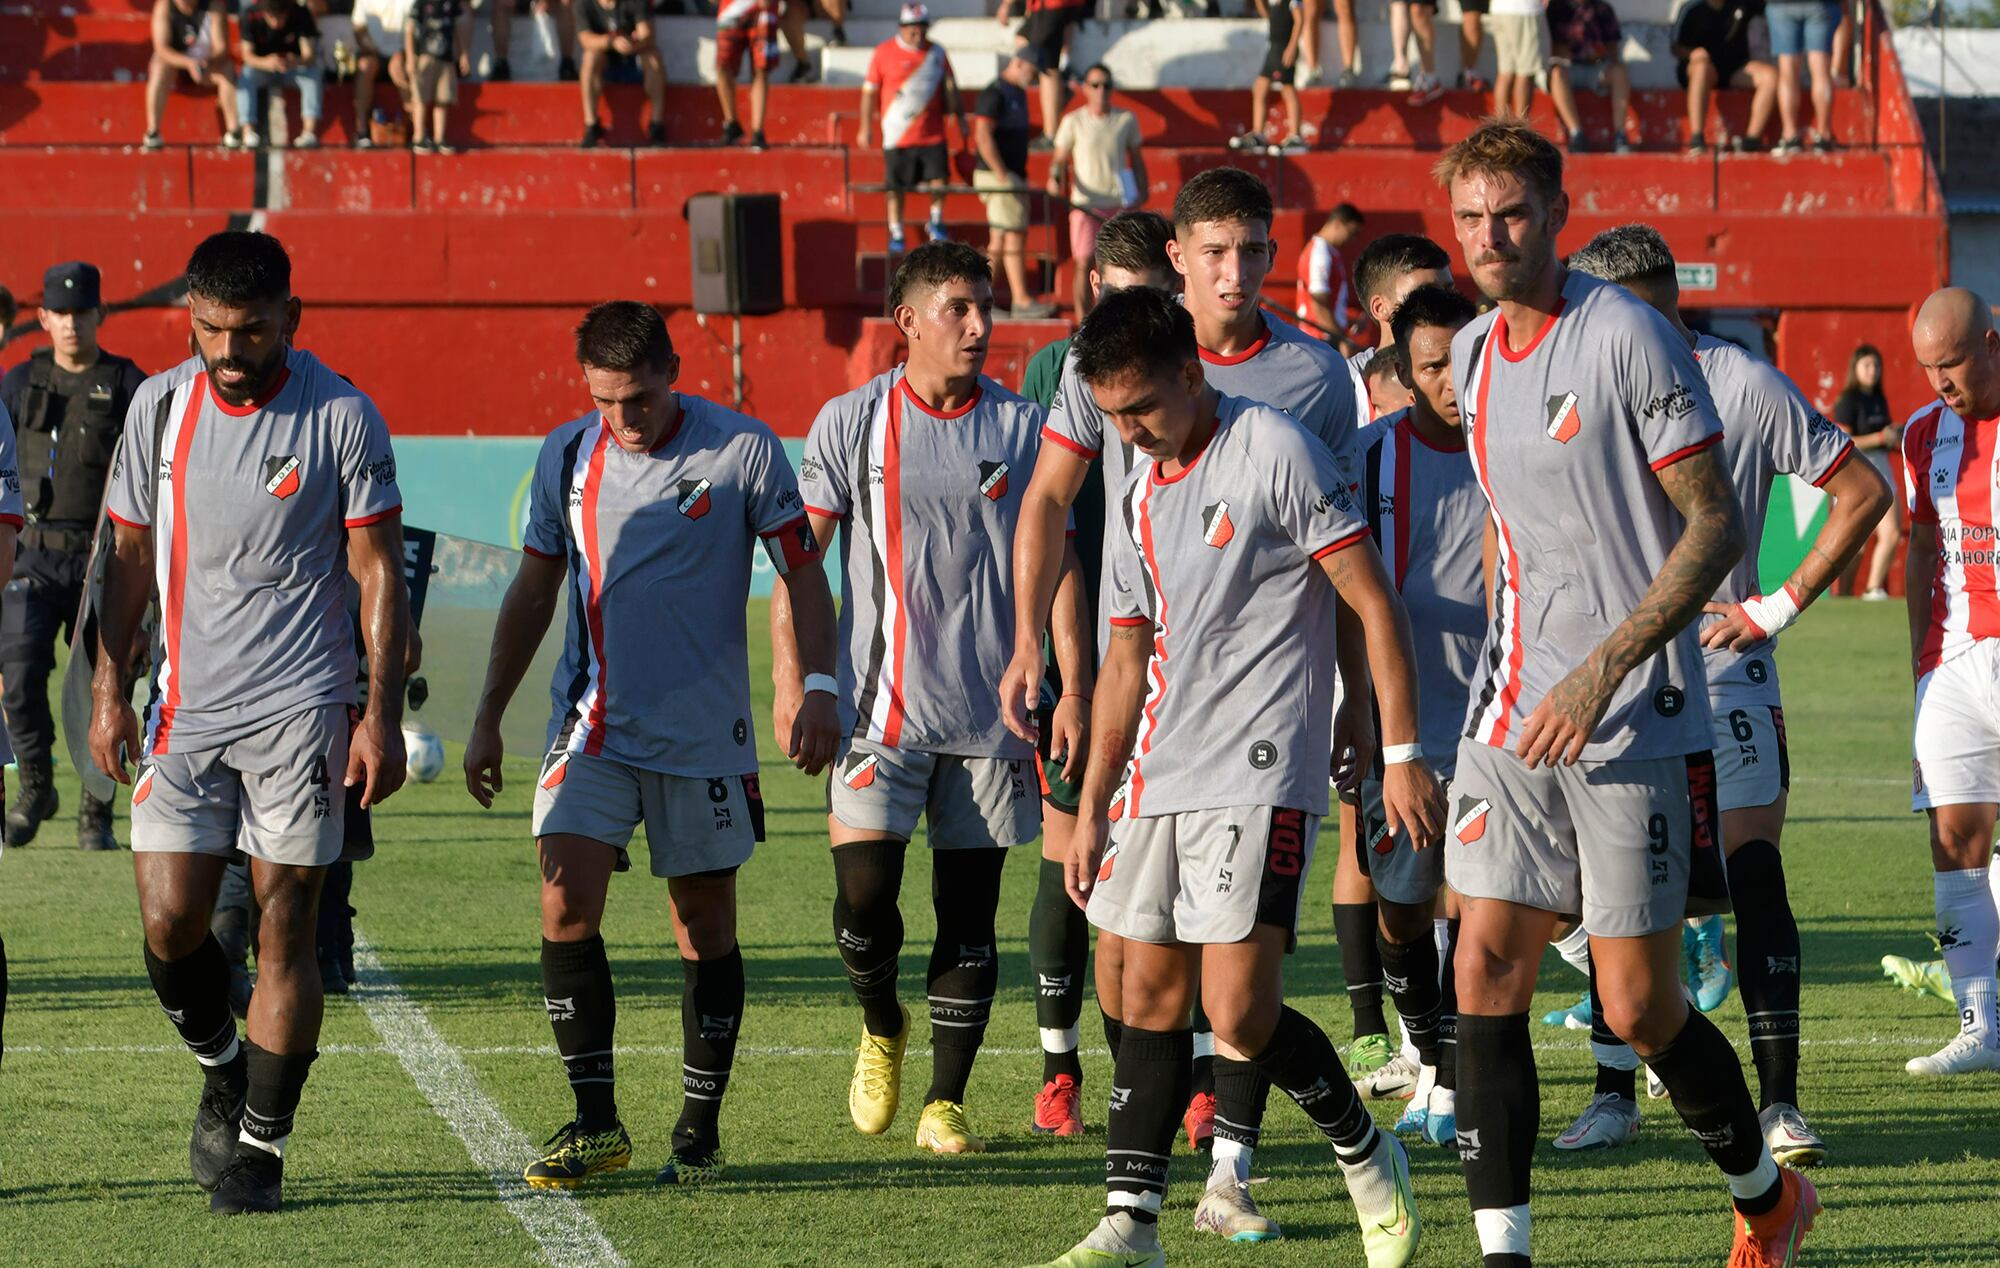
(822, 682)
(1397, 754)
(1769, 614)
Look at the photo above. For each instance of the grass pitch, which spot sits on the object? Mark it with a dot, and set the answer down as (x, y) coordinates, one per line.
(96, 1094)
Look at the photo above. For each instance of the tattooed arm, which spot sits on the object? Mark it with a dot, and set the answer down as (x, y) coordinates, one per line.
(1709, 547)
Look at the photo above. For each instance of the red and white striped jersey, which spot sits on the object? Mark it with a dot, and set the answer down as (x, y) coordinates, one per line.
(655, 668)
(1952, 474)
(249, 509)
(929, 503)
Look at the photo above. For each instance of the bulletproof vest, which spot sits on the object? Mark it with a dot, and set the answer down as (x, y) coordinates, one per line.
(65, 455)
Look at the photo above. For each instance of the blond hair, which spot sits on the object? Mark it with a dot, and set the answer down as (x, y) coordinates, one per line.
(1504, 146)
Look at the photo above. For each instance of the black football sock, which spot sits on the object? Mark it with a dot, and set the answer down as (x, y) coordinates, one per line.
(1499, 1110)
(1622, 1078)
(276, 1080)
(1204, 1054)
(1114, 1035)
(583, 1012)
(1300, 1061)
(1705, 1080)
(1410, 972)
(1767, 968)
(1059, 950)
(1447, 1076)
(965, 964)
(868, 927)
(711, 1014)
(1241, 1093)
(194, 993)
(1361, 965)
(1149, 1088)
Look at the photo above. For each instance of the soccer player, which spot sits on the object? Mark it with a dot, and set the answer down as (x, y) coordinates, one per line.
(1322, 294)
(651, 505)
(1952, 586)
(1222, 249)
(922, 467)
(262, 464)
(1220, 678)
(1131, 251)
(1428, 517)
(1768, 429)
(1385, 273)
(1585, 785)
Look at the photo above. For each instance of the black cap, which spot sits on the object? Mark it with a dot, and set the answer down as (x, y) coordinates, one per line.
(71, 287)
(1032, 55)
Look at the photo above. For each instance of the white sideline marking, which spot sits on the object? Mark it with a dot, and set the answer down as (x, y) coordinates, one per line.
(565, 1232)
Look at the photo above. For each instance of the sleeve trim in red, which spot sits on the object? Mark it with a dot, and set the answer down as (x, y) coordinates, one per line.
(1689, 451)
(539, 554)
(1081, 451)
(823, 513)
(1351, 539)
(1126, 622)
(120, 519)
(1846, 452)
(363, 521)
(14, 520)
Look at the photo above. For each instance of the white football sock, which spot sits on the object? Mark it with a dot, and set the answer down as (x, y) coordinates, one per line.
(1575, 950)
(1969, 935)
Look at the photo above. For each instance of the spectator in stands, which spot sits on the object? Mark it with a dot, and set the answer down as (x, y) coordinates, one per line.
(502, 68)
(1346, 32)
(437, 47)
(1803, 28)
(619, 48)
(1471, 38)
(1324, 297)
(1712, 45)
(745, 27)
(1587, 49)
(378, 50)
(1000, 143)
(190, 37)
(1047, 29)
(1519, 30)
(911, 78)
(793, 23)
(1281, 62)
(1863, 413)
(1098, 148)
(1420, 17)
(280, 47)
(1383, 377)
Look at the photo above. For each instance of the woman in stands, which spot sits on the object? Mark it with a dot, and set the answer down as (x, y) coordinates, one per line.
(1863, 413)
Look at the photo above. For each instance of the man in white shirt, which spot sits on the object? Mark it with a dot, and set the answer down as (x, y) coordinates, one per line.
(1096, 147)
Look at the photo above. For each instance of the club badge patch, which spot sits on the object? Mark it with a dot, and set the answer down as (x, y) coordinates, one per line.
(1563, 422)
(1471, 824)
(694, 501)
(281, 476)
(557, 771)
(1216, 528)
(144, 787)
(993, 480)
(862, 773)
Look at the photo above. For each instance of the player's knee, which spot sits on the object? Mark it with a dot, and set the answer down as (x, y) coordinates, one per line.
(707, 930)
(1647, 1020)
(566, 917)
(1491, 979)
(172, 933)
(1404, 923)
(1244, 1022)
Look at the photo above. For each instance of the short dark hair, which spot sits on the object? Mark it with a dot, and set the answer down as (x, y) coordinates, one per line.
(1134, 240)
(1393, 255)
(935, 263)
(623, 334)
(1386, 363)
(1505, 146)
(1110, 81)
(1429, 305)
(1139, 329)
(1222, 193)
(1346, 214)
(238, 267)
(1627, 253)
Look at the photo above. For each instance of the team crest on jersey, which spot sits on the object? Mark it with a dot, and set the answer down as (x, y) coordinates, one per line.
(862, 773)
(1563, 422)
(1471, 823)
(281, 476)
(1216, 528)
(694, 501)
(558, 770)
(993, 480)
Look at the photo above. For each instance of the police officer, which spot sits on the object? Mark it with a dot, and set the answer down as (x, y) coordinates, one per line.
(68, 402)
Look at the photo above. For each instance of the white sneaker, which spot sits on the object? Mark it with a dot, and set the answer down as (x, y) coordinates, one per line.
(1655, 1090)
(1965, 1054)
(1393, 1082)
(1792, 1143)
(1608, 1122)
(1228, 1210)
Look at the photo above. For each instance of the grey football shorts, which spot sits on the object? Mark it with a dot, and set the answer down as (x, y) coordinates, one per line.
(693, 824)
(1399, 871)
(1612, 842)
(278, 793)
(968, 803)
(1752, 766)
(1204, 876)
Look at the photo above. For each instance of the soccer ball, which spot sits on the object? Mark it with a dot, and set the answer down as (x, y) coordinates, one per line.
(426, 754)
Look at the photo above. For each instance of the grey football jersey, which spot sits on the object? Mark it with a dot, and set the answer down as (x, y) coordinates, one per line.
(1284, 369)
(1429, 516)
(1768, 429)
(655, 669)
(1566, 436)
(930, 503)
(1220, 562)
(249, 510)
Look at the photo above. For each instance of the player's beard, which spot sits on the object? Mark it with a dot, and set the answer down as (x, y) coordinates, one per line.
(1520, 273)
(256, 377)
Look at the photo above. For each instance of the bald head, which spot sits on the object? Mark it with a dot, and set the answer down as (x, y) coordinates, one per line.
(1958, 351)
